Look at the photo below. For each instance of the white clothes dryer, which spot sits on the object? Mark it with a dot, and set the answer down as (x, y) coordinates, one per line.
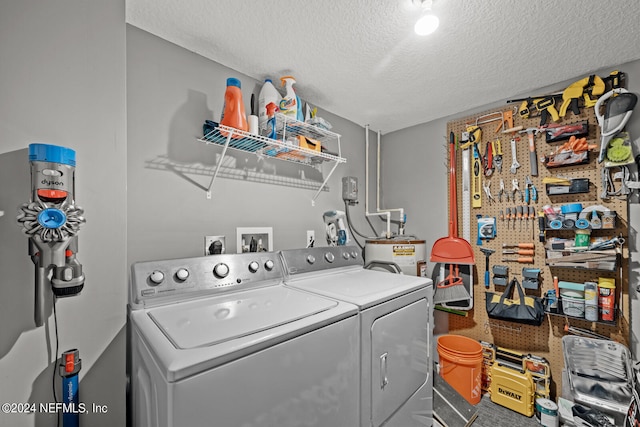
(218, 341)
(395, 328)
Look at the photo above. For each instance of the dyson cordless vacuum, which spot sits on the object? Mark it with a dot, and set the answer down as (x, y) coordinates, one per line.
(52, 220)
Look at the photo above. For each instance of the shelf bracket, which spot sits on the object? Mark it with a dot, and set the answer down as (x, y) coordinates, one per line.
(315, 196)
(215, 174)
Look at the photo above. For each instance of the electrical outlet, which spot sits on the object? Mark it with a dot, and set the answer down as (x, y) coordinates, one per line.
(214, 245)
(311, 238)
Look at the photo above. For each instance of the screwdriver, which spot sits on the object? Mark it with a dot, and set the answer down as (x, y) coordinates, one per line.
(532, 216)
(520, 252)
(522, 260)
(519, 245)
(525, 215)
(519, 210)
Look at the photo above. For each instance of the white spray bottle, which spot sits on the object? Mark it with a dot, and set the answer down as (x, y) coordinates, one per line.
(289, 103)
(268, 94)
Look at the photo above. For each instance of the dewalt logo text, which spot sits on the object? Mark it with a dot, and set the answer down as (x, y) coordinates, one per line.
(509, 393)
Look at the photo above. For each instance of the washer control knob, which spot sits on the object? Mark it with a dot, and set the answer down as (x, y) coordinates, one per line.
(156, 277)
(354, 254)
(329, 257)
(182, 274)
(253, 266)
(311, 259)
(268, 264)
(345, 255)
(221, 270)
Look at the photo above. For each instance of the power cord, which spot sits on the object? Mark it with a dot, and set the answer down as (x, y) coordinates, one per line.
(55, 362)
(354, 232)
(346, 209)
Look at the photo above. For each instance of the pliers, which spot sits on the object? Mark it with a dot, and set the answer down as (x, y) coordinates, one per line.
(488, 159)
(486, 186)
(515, 188)
(533, 191)
(497, 154)
(501, 192)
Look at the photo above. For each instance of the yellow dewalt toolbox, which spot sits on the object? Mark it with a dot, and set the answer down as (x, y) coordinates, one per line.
(537, 366)
(513, 389)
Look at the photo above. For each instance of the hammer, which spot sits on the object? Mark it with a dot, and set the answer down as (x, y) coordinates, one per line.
(487, 253)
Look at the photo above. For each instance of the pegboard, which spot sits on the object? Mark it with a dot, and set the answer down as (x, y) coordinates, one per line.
(544, 340)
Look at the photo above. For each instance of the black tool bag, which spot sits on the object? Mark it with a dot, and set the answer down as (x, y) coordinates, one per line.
(526, 309)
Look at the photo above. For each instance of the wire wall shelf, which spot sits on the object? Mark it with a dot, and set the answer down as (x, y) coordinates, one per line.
(229, 171)
(296, 142)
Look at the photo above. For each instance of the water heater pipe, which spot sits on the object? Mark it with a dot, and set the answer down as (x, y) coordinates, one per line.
(379, 212)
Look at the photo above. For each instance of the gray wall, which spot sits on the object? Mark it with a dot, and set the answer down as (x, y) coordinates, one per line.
(63, 83)
(170, 93)
(415, 171)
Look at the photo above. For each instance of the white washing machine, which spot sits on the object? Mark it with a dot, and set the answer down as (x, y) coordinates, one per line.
(395, 327)
(219, 341)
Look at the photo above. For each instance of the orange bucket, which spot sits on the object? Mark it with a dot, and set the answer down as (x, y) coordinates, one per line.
(461, 365)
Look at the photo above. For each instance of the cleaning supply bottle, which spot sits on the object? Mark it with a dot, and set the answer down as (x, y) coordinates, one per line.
(271, 109)
(289, 102)
(300, 114)
(270, 131)
(233, 114)
(268, 94)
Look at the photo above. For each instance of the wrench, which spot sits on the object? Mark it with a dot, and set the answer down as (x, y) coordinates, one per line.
(514, 158)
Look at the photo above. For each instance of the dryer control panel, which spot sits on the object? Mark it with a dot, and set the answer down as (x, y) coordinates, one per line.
(298, 261)
(165, 281)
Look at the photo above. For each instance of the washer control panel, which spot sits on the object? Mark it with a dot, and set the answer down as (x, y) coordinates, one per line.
(298, 261)
(159, 281)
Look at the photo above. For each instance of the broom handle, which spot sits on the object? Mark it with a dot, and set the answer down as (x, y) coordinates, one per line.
(453, 204)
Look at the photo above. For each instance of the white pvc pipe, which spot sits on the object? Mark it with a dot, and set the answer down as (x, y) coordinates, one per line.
(401, 210)
(386, 212)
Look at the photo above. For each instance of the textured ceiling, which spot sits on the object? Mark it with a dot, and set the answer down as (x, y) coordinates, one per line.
(360, 59)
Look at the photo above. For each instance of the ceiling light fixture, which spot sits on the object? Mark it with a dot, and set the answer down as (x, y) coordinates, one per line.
(428, 22)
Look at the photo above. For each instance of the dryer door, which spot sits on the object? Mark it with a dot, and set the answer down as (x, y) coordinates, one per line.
(400, 358)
